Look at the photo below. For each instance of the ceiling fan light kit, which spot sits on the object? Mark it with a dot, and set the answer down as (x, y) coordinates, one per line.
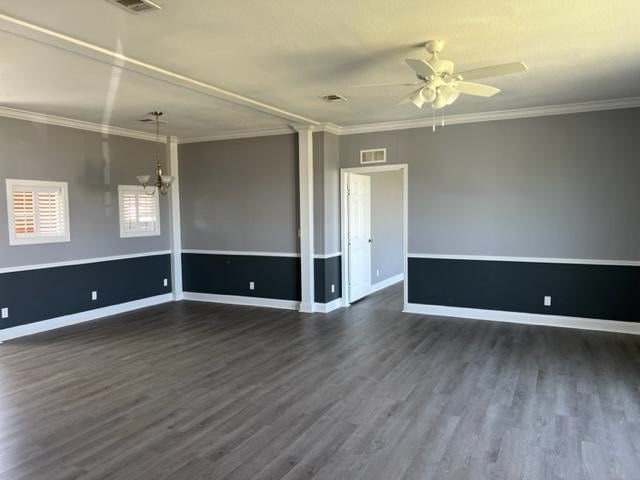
(440, 86)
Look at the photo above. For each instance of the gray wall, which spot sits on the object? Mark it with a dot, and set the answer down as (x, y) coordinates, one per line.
(93, 165)
(560, 186)
(332, 194)
(326, 192)
(240, 195)
(318, 192)
(386, 225)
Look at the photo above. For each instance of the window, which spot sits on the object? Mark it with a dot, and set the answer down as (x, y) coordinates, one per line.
(38, 212)
(139, 212)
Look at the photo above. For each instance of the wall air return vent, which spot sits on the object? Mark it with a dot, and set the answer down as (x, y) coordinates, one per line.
(374, 155)
(137, 6)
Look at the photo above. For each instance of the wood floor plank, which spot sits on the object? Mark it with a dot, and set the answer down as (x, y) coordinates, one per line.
(202, 391)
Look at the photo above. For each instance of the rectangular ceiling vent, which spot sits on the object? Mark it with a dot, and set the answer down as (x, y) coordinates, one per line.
(152, 120)
(374, 155)
(334, 97)
(137, 6)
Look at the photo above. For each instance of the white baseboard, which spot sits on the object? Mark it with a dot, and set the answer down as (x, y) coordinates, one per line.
(387, 283)
(306, 307)
(328, 307)
(81, 317)
(526, 318)
(240, 300)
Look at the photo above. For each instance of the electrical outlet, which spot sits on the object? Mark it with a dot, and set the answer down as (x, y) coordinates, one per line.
(5, 312)
(165, 282)
(333, 288)
(377, 272)
(547, 301)
(94, 295)
(252, 286)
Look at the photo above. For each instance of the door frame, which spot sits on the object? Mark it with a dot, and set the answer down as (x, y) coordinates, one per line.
(344, 222)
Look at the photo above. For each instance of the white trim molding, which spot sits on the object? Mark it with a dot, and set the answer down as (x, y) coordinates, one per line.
(376, 287)
(265, 132)
(327, 255)
(239, 252)
(82, 261)
(525, 318)
(57, 121)
(81, 317)
(176, 228)
(344, 179)
(516, 113)
(241, 300)
(543, 111)
(576, 261)
(328, 307)
(80, 47)
(305, 189)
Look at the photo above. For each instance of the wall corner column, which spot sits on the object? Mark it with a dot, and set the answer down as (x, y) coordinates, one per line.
(174, 208)
(305, 162)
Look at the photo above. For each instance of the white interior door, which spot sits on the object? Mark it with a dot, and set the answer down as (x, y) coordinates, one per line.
(359, 235)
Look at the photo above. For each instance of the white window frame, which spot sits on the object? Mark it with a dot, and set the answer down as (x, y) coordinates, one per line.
(137, 189)
(35, 238)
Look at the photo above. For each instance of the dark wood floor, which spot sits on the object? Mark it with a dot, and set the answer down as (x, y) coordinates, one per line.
(195, 391)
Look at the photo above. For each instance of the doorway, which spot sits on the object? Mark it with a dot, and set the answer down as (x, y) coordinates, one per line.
(361, 277)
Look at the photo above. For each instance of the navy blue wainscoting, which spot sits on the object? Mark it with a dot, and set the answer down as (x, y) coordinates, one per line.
(327, 271)
(607, 292)
(274, 277)
(44, 293)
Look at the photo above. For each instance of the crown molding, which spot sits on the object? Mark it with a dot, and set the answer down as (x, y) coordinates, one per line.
(265, 132)
(91, 50)
(549, 110)
(329, 128)
(46, 119)
(294, 127)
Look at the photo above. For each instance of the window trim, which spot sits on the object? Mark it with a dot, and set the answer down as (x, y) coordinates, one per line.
(147, 233)
(35, 240)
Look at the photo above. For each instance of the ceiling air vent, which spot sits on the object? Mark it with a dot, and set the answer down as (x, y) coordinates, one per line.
(151, 120)
(137, 6)
(334, 97)
(375, 155)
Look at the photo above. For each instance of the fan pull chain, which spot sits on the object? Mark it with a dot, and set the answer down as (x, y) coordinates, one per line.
(434, 119)
(443, 117)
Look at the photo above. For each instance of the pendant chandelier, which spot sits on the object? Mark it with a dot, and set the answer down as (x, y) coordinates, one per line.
(160, 182)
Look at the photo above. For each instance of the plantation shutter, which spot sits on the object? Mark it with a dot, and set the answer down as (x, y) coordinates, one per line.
(138, 212)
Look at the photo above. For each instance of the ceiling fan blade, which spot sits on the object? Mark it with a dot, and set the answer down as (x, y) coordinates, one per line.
(477, 89)
(409, 98)
(369, 85)
(494, 71)
(421, 67)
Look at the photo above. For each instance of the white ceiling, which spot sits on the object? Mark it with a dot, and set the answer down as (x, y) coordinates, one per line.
(287, 53)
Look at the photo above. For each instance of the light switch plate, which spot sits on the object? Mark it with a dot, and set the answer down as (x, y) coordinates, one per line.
(5, 312)
(252, 286)
(547, 301)
(333, 288)
(165, 282)
(94, 295)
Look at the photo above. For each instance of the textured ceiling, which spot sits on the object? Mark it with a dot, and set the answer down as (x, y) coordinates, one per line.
(287, 53)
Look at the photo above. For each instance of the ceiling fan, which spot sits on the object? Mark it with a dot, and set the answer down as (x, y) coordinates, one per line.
(440, 86)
